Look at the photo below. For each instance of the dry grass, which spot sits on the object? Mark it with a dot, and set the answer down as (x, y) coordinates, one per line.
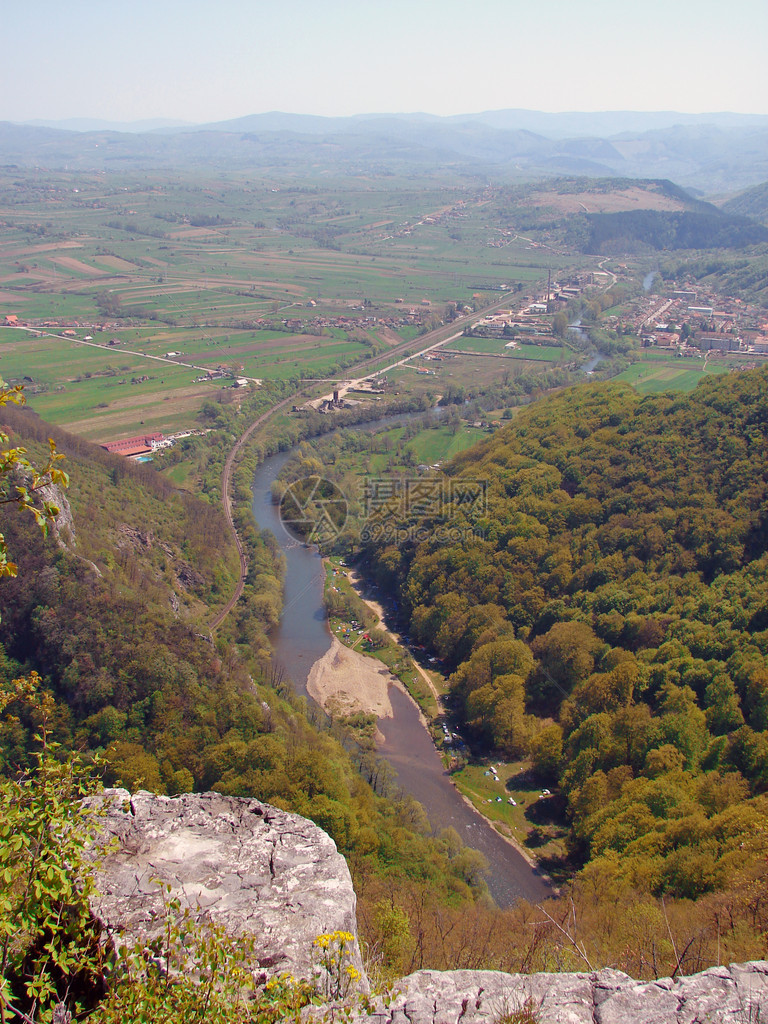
(81, 268)
(633, 198)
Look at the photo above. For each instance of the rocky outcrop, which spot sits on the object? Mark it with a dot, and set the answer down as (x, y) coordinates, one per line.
(736, 995)
(243, 864)
(278, 878)
(63, 525)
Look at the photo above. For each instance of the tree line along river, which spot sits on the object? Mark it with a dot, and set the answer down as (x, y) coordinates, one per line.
(302, 637)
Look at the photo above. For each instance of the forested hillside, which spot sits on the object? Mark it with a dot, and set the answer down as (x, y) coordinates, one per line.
(647, 230)
(752, 202)
(111, 609)
(608, 617)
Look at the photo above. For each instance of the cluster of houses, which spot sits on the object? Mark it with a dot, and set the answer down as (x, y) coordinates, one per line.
(407, 318)
(680, 320)
(693, 324)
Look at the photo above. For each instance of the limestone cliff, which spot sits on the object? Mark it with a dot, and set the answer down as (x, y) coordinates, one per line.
(277, 877)
(248, 866)
(736, 995)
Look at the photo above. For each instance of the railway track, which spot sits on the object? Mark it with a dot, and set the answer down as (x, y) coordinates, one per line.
(412, 347)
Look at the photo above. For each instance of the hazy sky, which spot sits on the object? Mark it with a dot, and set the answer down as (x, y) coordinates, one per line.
(206, 60)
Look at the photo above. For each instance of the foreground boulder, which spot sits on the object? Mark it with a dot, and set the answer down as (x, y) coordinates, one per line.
(245, 865)
(278, 878)
(737, 994)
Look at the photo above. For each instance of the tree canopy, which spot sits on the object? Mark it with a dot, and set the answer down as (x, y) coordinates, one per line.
(607, 614)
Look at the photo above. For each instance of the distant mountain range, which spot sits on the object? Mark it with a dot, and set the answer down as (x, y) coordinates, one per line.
(89, 124)
(708, 153)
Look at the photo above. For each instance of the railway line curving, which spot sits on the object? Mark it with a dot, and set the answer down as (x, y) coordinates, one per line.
(432, 339)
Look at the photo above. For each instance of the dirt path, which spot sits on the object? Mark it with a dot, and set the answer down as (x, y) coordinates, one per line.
(377, 609)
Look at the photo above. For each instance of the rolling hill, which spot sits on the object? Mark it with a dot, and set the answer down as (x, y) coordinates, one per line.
(710, 152)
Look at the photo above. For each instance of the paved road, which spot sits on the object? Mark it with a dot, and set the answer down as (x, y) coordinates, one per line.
(112, 349)
(433, 339)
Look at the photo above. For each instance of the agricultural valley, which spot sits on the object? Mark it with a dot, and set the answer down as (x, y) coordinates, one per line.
(519, 399)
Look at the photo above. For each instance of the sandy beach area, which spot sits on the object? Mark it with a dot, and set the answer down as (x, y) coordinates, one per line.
(378, 610)
(345, 682)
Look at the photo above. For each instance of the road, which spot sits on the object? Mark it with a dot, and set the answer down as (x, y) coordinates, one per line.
(112, 349)
(610, 273)
(440, 336)
(350, 385)
(657, 311)
(226, 480)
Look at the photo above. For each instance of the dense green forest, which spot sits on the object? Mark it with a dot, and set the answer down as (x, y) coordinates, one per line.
(111, 610)
(635, 231)
(607, 615)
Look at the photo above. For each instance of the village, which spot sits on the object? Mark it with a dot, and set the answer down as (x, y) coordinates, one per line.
(683, 320)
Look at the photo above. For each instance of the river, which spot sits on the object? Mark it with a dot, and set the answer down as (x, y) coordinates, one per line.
(594, 358)
(302, 636)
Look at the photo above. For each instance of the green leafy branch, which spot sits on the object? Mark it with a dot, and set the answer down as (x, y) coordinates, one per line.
(48, 939)
(14, 461)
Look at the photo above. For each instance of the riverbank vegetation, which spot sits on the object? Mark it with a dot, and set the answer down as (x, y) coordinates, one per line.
(111, 612)
(355, 624)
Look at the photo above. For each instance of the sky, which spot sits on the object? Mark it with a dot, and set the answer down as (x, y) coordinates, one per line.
(212, 60)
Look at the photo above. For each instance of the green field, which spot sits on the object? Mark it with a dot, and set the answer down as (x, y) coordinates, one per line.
(237, 248)
(202, 264)
(210, 266)
(94, 389)
(671, 374)
(651, 355)
(549, 353)
(492, 346)
(99, 392)
(498, 347)
(441, 443)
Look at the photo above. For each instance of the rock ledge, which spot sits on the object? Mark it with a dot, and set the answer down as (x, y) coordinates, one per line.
(278, 878)
(721, 995)
(250, 867)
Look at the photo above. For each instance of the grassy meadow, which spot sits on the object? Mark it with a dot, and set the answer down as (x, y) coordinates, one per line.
(501, 347)
(651, 376)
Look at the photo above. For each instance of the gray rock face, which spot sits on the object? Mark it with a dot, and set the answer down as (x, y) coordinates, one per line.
(245, 865)
(736, 995)
(278, 878)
